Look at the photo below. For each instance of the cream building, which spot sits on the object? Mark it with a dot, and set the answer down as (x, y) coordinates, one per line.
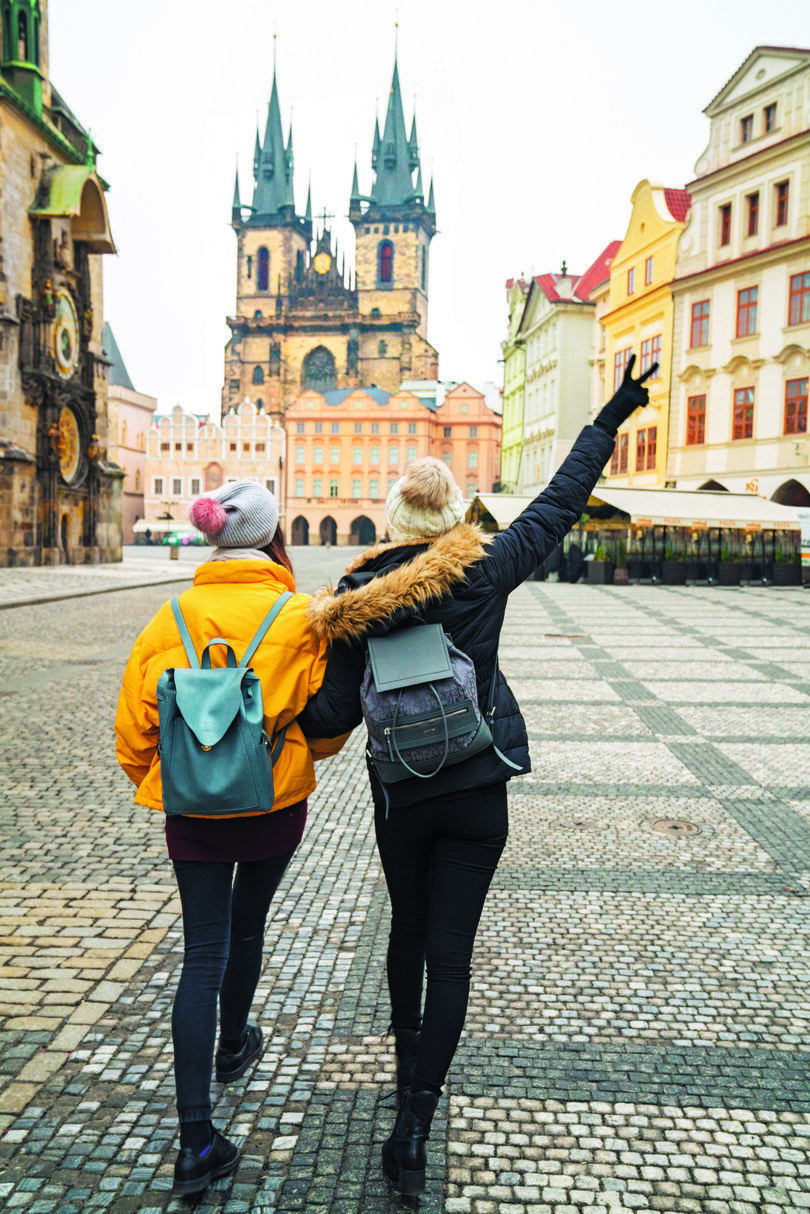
(741, 331)
(514, 385)
(188, 455)
(130, 416)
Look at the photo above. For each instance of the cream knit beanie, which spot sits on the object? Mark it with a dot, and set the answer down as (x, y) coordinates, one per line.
(424, 503)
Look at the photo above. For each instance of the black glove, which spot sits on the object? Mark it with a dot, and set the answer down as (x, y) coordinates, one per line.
(630, 396)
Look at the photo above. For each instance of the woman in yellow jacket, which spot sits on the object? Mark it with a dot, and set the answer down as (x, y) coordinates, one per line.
(223, 915)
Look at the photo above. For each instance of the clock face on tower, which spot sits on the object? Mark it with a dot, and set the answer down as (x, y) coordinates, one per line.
(321, 262)
(65, 334)
(68, 444)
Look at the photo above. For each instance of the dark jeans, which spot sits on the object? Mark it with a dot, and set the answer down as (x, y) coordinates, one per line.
(439, 857)
(223, 930)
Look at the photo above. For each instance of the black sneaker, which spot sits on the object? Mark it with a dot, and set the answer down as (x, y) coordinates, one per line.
(230, 1066)
(193, 1172)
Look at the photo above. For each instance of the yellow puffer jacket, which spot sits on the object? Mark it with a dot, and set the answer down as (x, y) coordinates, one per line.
(229, 598)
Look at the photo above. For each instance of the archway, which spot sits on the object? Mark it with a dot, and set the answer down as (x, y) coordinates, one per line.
(318, 371)
(715, 485)
(299, 532)
(791, 493)
(213, 476)
(362, 531)
(327, 532)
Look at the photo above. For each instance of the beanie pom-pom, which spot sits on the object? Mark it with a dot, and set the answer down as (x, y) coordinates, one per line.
(428, 484)
(207, 515)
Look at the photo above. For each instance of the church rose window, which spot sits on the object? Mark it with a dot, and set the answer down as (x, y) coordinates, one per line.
(386, 262)
(263, 282)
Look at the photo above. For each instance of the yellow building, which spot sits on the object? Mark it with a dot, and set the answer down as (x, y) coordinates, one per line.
(639, 321)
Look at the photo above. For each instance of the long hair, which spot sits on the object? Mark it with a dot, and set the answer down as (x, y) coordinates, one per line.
(277, 550)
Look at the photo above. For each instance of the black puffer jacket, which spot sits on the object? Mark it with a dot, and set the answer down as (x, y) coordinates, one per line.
(462, 581)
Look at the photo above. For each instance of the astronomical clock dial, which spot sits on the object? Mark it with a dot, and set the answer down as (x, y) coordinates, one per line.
(69, 444)
(321, 262)
(65, 334)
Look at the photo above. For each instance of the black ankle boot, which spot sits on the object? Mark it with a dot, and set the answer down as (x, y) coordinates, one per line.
(404, 1155)
(406, 1044)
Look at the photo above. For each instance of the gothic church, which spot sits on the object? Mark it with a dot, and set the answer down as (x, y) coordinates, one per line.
(300, 324)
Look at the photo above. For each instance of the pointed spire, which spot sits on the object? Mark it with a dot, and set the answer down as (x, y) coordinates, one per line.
(419, 192)
(308, 214)
(355, 200)
(393, 185)
(274, 175)
(375, 147)
(236, 209)
(413, 144)
(257, 154)
(431, 205)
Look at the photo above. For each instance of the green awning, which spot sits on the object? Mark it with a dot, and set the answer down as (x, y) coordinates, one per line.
(75, 192)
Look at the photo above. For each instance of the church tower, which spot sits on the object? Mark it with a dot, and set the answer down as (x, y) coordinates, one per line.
(394, 226)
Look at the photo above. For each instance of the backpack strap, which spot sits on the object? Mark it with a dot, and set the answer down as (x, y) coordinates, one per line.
(185, 635)
(263, 627)
(491, 718)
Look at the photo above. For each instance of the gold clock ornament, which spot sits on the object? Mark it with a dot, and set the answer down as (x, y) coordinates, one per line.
(321, 262)
(68, 444)
(65, 334)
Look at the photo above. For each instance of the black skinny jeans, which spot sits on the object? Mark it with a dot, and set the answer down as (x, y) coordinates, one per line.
(439, 857)
(223, 930)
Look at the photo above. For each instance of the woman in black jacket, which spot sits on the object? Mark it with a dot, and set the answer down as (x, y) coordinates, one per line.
(440, 840)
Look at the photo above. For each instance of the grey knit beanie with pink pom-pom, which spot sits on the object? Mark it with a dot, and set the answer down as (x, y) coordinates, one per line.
(242, 514)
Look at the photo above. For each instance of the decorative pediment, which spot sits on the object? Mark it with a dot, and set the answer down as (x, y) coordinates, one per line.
(740, 362)
(693, 373)
(761, 69)
(793, 353)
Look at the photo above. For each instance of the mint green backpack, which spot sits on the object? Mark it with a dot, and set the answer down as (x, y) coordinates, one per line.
(215, 757)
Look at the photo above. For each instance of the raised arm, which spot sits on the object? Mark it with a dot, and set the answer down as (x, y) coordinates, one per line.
(516, 552)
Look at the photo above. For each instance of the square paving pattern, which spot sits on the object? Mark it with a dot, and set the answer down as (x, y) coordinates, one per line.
(638, 1035)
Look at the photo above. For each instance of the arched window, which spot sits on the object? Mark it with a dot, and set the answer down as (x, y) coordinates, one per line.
(250, 267)
(385, 262)
(318, 371)
(22, 37)
(382, 349)
(424, 268)
(258, 375)
(137, 480)
(299, 266)
(8, 53)
(263, 281)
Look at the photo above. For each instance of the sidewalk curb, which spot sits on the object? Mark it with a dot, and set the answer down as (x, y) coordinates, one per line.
(83, 594)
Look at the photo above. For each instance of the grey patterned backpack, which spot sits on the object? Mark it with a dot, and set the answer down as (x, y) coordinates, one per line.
(420, 704)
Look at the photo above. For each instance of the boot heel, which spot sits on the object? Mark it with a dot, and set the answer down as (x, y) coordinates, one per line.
(411, 1182)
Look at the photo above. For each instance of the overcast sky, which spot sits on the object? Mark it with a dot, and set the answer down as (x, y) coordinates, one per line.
(538, 119)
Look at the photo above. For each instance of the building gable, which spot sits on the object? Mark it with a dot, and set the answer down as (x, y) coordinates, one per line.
(764, 67)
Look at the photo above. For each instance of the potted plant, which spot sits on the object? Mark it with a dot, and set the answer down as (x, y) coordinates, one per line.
(729, 571)
(673, 569)
(600, 569)
(786, 569)
(621, 575)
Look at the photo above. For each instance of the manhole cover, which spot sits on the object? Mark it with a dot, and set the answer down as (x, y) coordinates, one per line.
(676, 828)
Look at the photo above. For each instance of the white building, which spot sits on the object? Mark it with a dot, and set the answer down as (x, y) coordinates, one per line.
(741, 334)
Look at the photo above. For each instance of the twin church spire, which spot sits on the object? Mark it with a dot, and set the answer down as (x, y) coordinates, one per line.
(394, 160)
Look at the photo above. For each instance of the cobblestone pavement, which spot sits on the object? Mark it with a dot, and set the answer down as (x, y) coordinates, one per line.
(638, 1033)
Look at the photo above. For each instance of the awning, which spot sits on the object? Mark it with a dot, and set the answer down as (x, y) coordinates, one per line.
(698, 509)
(75, 192)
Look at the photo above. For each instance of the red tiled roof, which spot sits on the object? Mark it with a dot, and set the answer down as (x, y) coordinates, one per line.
(597, 273)
(548, 285)
(510, 282)
(678, 202)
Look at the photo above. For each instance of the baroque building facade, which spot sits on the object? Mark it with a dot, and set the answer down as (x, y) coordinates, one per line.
(741, 325)
(59, 493)
(300, 322)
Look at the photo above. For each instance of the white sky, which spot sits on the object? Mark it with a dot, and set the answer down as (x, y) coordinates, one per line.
(538, 116)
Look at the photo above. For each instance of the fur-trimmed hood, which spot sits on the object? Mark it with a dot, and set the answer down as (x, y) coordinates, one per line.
(348, 614)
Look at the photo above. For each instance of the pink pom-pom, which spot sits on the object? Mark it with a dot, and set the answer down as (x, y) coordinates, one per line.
(207, 515)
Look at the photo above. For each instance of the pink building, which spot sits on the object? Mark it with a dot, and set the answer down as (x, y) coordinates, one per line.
(130, 416)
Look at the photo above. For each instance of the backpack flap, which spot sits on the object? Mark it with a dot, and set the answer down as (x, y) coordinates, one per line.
(208, 700)
(412, 655)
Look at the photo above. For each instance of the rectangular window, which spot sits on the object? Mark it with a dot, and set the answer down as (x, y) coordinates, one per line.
(270, 484)
(157, 485)
(259, 447)
(232, 447)
(410, 455)
(357, 489)
(317, 455)
(725, 223)
(770, 117)
(393, 428)
(374, 455)
(333, 488)
(373, 487)
(796, 406)
(695, 421)
(335, 428)
(473, 432)
(178, 446)
(358, 427)
(447, 431)
(317, 486)
(614, 460)
(412, 427)
(299, 486)
(782, 203)
(641, 450)
(648, 271)
(799, 303)
(652, 444)
(357, 455)
(300, 427)
(165, 447)
(646, 355)
(747, 311)
(472, 459)
(334, 455)
(177, 486)
(631, 280)
(189, 446)
(301, 454)
(746, 128)
(753, 212)
(195, 486)
(319, 427)
(743, 413)
(375, 427)
(392, 480)
(446, 456)
(624, 447)
(393, 457)
(472, 488)
(620, 361)
(246, 448)
(699, 330)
